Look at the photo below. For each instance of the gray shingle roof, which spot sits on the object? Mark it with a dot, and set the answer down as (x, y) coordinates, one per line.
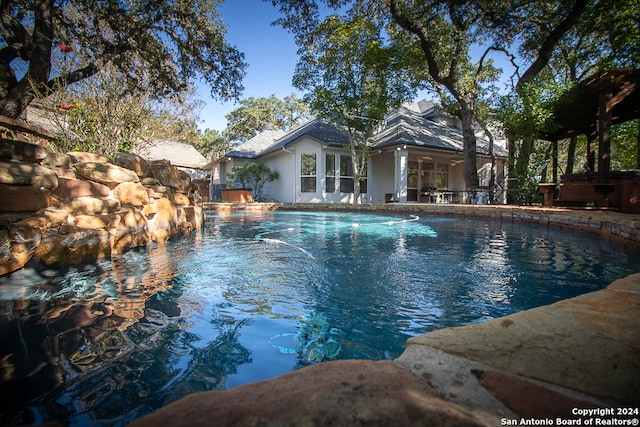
(323, 133)
(270, 141)
(410, 125)
(256, 145)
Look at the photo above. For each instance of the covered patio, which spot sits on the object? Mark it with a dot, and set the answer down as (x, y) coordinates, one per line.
(591, 108)
(419, 157)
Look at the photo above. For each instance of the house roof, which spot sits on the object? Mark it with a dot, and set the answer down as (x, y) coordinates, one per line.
(412, 124)
(179, 154)
(270, 141)
(323, 133)
(256, 145)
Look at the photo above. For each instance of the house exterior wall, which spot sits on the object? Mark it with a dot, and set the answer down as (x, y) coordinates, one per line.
(282, 189)
(288, 187)
(219, 172)
(386, 175)
(381, 181)
(389, 171)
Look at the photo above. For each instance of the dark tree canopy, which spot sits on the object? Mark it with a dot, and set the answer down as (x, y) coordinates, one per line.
(166, 43)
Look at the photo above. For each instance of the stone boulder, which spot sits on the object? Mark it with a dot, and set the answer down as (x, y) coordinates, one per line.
(6, 255)
(192, 215)
(196, 199)
(163, 220)
(20, 242)
(339, 393)
(22, 151)
(131, 193)
(179, 199)
(91, 206)
(105, 173)
(23, 173)
(57, 160)
(54, 216)
(73, 245)
(132, 162)
(107, 221)
(72, 188)
(84, 157)
(167, 174)
(184, 228)
(130, 232)
(185, 183)
(23, 198)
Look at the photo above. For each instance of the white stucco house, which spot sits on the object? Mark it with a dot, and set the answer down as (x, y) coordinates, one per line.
(416, 157)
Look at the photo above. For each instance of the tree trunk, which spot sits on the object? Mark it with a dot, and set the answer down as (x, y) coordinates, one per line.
(17, 100)
(522, 160)
(469, 147)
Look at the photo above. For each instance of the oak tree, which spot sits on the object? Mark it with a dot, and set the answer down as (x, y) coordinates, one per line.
(167, 43)
(352, 76)
(255, 115)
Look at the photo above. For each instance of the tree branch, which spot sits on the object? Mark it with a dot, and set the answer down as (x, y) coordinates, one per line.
(546, 49)
(511, 56)
(409, 25)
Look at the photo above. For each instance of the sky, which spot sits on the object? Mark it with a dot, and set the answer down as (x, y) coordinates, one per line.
(269, 50)
(271, 55)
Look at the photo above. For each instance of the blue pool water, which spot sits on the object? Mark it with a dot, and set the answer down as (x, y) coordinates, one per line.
(255, 295)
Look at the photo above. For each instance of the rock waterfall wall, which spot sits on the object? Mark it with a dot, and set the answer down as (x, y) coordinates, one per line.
(74, 207)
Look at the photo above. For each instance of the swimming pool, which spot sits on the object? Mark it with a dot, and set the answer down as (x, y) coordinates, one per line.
(255, 295)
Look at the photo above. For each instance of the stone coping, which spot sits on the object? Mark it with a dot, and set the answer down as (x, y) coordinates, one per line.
(610, 225)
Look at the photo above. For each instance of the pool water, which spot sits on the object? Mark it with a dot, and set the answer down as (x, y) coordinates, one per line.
(256, 295)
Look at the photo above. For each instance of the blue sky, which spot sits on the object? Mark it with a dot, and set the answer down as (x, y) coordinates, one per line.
(271, 54)
(269, 50)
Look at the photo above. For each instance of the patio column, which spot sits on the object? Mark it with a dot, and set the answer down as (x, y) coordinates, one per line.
(604, 133)
(592, 138)
(401, 174)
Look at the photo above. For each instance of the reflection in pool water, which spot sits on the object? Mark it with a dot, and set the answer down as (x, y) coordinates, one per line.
(255, 295)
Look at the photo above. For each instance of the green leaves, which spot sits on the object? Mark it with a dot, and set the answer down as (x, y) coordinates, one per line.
(251, 175)
(256, 115)
(352, 74)
(162, 44)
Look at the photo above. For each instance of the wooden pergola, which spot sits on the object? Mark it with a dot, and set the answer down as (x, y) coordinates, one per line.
(595, 104)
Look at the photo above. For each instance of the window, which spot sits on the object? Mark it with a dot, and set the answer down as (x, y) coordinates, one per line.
(308, 172)
(346, 175)
(427, 176)
(330, 173)
(442, 176)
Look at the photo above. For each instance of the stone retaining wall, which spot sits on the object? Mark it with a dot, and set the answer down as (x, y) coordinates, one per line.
(610, 225)
(68, 208)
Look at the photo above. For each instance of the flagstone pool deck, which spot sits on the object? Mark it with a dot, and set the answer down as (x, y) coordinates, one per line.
(575, 362)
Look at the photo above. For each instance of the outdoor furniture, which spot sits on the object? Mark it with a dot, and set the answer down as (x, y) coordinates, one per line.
(548, 191)
(436, 196)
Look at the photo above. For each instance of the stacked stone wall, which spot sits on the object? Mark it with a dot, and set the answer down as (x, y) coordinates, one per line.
(74, 207)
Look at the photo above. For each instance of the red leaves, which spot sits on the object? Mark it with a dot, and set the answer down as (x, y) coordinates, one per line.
(66, 49)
